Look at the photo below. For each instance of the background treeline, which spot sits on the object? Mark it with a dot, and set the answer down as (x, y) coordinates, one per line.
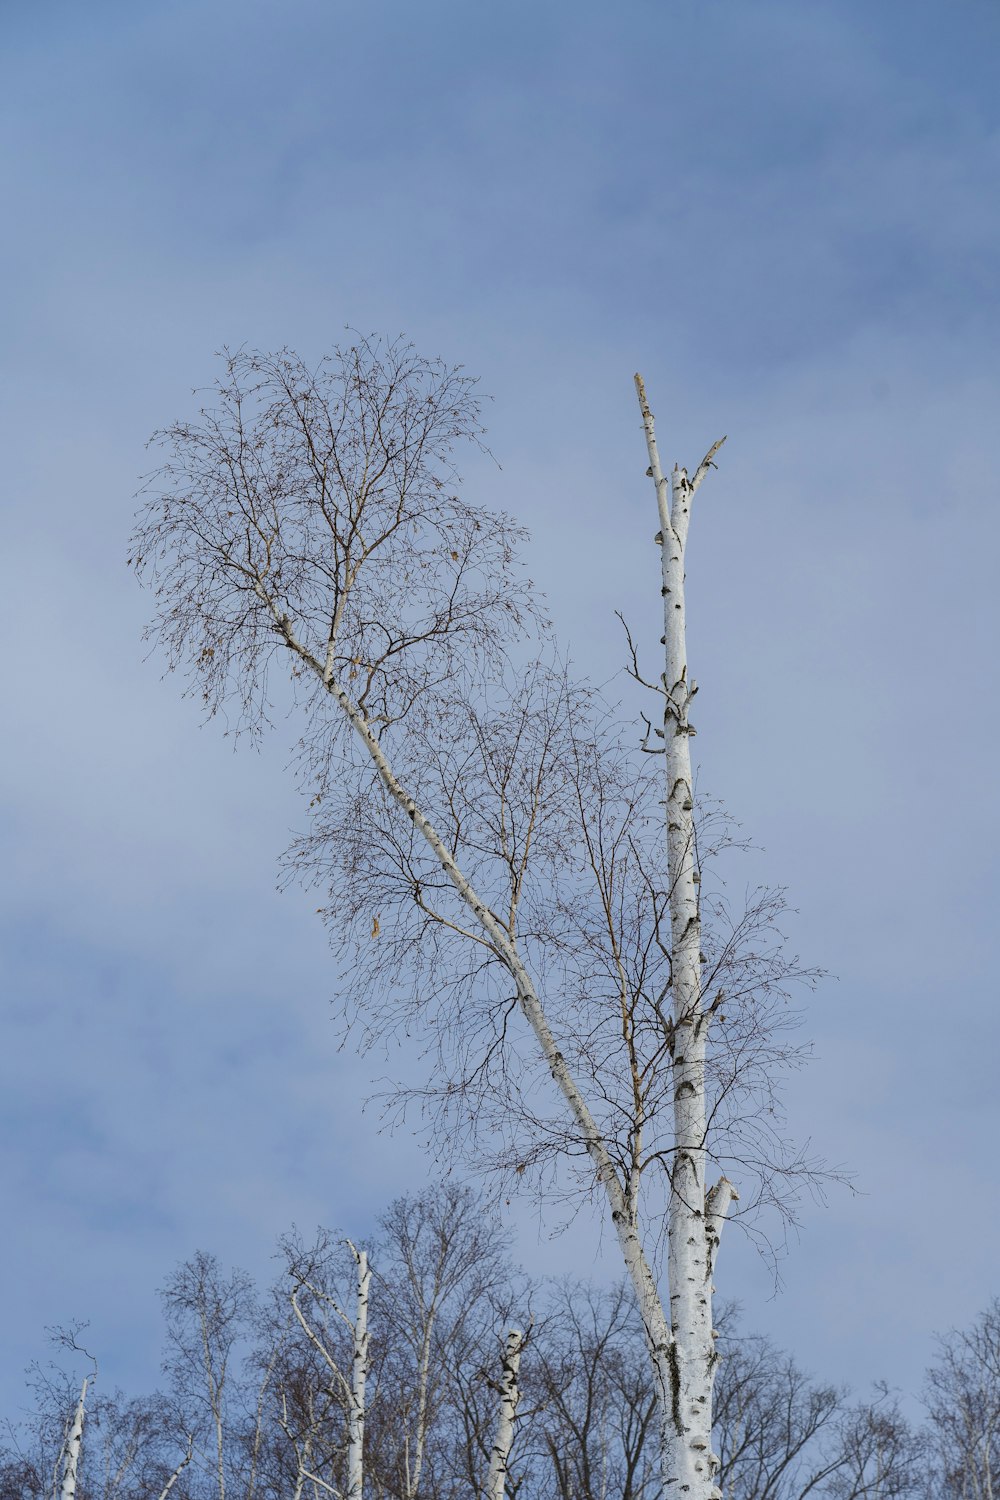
(254, 1404)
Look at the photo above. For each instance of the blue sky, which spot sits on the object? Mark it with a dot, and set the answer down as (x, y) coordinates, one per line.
(787, 216)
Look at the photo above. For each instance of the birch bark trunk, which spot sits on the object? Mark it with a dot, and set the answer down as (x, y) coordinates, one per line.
(359, 1373)
(68, 1488)
(695, 1214)
(621, 1203)
(177, 1472)
(413, 1470)
(510, 1395)
(623, 1206)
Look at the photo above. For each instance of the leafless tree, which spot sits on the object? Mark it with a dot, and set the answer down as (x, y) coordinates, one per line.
(783, 1436)
(584, 1426)
(596, 1409)
(769, 1419)
(780, 1435)
(321, 1370)
(962, 1394)
(882, 1457)
(486, 1439)
(209, 1319)
(443, 1283)
(490, 833)
(132, 1448)
(440, 1286)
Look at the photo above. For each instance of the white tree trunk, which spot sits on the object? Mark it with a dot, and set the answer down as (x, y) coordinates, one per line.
(510, 1395)
(683, 1379)
(359, 1373)
(624, 1210)
(178, 1471)
(68, 1489)
(415, 1465)
(695, 1214)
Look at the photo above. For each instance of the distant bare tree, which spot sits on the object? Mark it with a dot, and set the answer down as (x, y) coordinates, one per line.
(438, 1290)
(596, 1408)
(209, 1320)
(769, 1417)
(882, 1458)
(962, 1395)
(443, 1283)
(491, 838)
(487, 1436)
(572, 1415)
(321, 1374)
(783, 1436)
(129, 1448)
(780, 1435)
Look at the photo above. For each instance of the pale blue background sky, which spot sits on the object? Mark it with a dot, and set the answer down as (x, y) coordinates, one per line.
(786, 213)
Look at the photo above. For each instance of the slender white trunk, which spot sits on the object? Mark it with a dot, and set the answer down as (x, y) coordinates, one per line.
(68, 1489)
(351, 1391)
(178, 1471)
(359, 1373)
(510, 1395)
(215, 1388)
(300, 1484)
(414, 1469)
(695, 1213)
(258, 1430)
(624, 1217)
(623, 1209)
(302, 1458)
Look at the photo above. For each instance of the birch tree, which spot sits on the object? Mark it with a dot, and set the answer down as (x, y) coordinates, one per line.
(118, 1449)
(359, 1375)
(335, 1333)
(208, 1317)
(444, 1279)
(962, 1395)
(582, 1397)
(67, 1490)
(508, 1400)
(491, 840)
(697, 1212)
(596, 1408)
